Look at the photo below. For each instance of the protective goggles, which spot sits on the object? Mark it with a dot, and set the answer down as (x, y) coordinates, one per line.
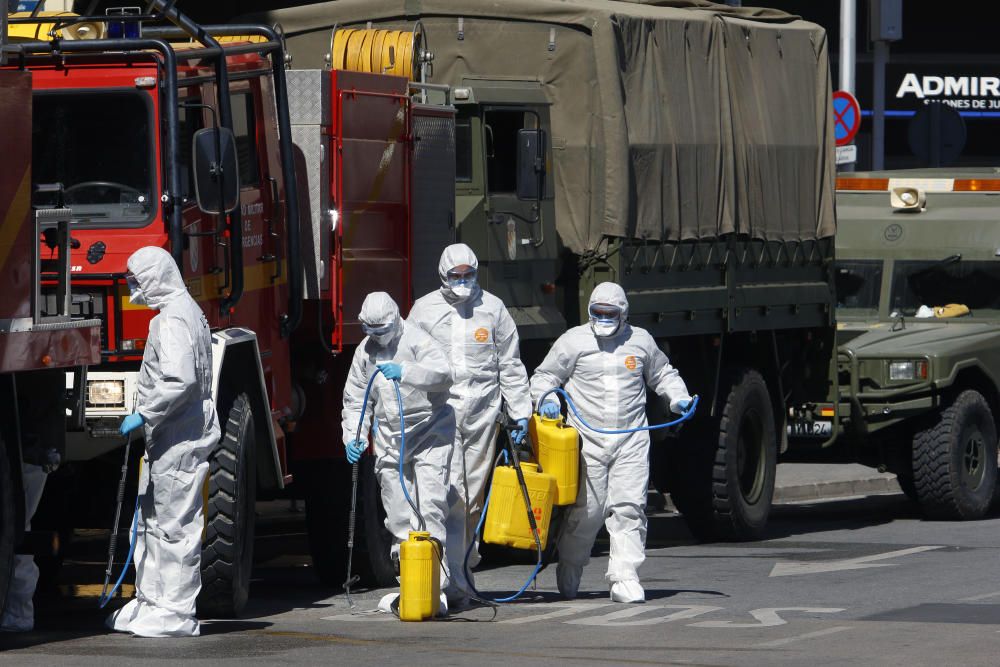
(130, 280)
(458, 276)
(376, 329)
(605, 311)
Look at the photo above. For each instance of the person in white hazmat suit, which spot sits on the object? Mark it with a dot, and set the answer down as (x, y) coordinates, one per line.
(605, 366)
(406, 354)
(19, 610)
(177, 413)
(479, 336)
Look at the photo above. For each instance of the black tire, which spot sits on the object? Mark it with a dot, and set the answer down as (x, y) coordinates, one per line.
(954, 460)
(372, 540)
(326, 489)
(227, 550)
(8, 523)
(724, 484)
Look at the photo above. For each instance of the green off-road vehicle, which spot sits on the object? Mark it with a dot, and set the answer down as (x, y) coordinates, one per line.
(918, 337)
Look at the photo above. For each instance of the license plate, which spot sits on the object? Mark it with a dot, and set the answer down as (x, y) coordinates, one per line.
(816, 429)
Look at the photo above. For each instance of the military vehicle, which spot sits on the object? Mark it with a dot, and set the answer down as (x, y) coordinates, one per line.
(681, 149)
(918, 334)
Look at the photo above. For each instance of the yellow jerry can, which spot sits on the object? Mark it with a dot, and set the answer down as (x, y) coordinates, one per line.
(507, 518)
(419, 577)
(557, 449)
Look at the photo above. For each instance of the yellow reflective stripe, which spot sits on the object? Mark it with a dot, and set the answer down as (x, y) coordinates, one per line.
(16, 215)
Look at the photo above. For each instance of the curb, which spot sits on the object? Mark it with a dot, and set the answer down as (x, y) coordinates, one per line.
(827, 490)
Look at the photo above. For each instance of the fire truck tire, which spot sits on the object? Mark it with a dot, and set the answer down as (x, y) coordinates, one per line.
(227, 548)
(954, 460)
(325, 488)
(725, 484)
(375, 565)
(8, 526)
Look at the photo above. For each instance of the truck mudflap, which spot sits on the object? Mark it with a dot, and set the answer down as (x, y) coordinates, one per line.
(226, 342)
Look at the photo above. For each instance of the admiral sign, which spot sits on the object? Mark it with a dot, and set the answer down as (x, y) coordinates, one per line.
(962, 91)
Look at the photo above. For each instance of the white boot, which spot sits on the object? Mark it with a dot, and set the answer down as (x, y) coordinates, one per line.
(627, 591)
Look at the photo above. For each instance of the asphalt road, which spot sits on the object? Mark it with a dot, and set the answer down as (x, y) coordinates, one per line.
(844, 582)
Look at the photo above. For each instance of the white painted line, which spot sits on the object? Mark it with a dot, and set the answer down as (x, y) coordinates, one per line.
(625, 616)
(372, 616)
(787, 569)
(766, 617)
(984, 596)
(809, 635)
(562, 609)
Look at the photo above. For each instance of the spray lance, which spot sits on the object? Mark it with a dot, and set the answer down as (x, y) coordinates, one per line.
(113, 543)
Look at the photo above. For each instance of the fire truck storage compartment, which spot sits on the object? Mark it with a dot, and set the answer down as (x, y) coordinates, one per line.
(433, 192)
(360, 215)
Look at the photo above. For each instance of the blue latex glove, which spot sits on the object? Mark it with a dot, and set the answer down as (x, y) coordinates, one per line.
(521, 432)
(355, 449)
(550, 411)
(391, 370)
(684, 405)
(131, 423)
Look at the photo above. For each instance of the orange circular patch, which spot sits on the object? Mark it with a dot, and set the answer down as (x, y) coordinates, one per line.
(482, 335)
(630, 363)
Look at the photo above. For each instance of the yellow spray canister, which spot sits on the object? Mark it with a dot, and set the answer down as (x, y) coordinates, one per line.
(507, 518)
(556, 447)
(419, 577)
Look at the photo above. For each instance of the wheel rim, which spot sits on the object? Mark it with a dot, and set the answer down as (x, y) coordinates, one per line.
(974, 459)
(750, 457)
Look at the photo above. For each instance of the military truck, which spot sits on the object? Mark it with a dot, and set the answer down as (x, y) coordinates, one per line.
(683, 150)
(918, 335)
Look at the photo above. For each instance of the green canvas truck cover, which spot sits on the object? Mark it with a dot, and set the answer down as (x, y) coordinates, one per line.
(671, 120)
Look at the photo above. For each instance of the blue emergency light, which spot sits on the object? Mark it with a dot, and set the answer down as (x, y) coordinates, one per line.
(124, 29)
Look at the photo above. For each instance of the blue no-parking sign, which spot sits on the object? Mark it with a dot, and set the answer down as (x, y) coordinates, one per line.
(846, 117)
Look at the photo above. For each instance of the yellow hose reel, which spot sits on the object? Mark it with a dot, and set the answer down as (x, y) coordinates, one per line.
(379, 51)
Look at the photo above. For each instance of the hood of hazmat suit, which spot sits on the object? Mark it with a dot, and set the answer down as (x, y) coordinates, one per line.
(457, 254)
(379, 311)
(607, 376)
(608, 294)
(480, 339)
(181, 430)
(430, 421)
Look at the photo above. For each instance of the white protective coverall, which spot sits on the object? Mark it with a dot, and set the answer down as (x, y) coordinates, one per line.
(480, 339)
(606, 377)
(19, 612)
(430, 421)
(181, 430)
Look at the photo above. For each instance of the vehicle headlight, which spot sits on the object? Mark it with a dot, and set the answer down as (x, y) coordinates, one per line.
(908, 370)
(106, 393)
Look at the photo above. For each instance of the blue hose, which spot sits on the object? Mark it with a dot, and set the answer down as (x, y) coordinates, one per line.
(649, 427)
(131, 551)
(486, 504)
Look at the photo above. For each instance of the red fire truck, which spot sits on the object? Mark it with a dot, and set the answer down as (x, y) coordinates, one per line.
(39, 337)
(163, 132)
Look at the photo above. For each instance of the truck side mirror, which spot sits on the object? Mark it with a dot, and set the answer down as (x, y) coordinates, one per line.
(216, 170)
(531, 164)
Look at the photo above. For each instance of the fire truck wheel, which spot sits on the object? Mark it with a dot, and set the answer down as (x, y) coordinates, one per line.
(726, 484)
(374, 564)
(7, 525)
(227, 548)
(325, 486)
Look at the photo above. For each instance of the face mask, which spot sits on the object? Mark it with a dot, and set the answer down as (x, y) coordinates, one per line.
(604, 328)
(135, 292)
(461, 290)
(382, 335)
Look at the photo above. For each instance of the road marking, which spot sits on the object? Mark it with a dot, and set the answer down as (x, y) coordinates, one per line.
(984, 596)
(564, 609)
(313, 637)
(809, 635)
(371, 615)
(788, 569)
(766, 617)
(615, 618)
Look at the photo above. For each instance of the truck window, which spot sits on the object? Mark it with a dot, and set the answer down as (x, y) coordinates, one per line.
(858, 283)
(98, 144)
(244, 127)
(501, 149)
(463, 149)
(975, 284)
